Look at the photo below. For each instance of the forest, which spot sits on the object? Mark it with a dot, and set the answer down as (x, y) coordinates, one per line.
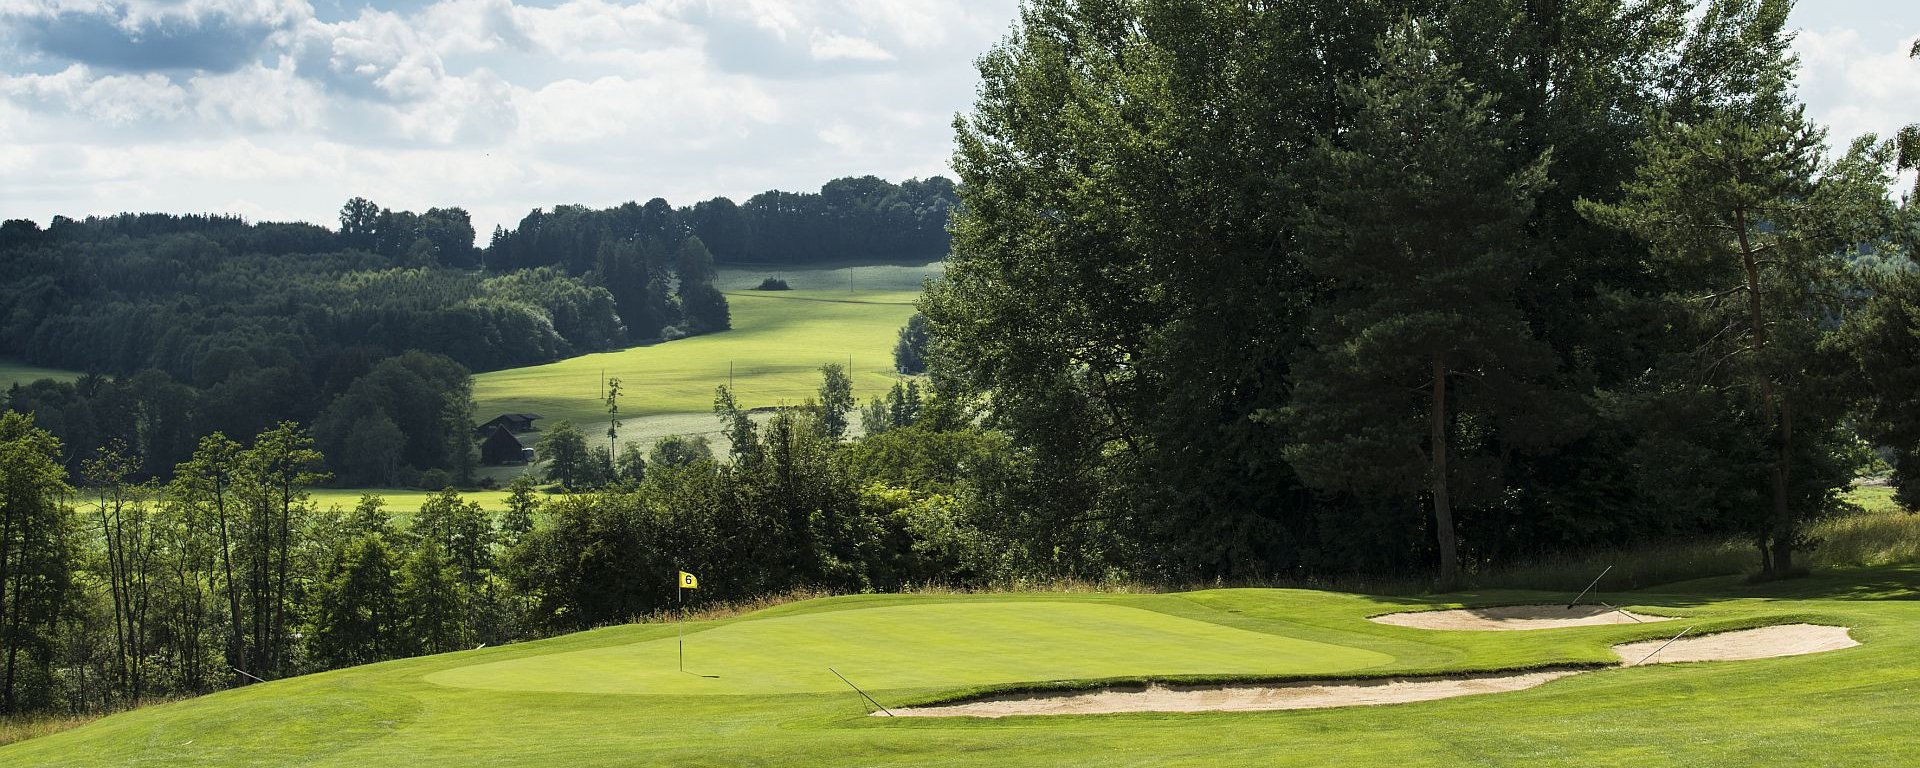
(170, 314)
(1237, 293)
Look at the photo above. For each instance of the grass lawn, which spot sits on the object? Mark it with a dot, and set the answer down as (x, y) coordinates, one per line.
(611, 697)
(15, 372)
(778, 343)
(402, 501)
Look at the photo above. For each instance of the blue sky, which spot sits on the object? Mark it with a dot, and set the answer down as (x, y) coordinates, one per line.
(282, 109)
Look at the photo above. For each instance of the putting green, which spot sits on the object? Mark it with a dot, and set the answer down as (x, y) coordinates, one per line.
(919, 646)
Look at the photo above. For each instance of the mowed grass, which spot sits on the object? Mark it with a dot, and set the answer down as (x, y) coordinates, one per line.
(778, 342)
(611, 697)
(402, 501)
(15, 372)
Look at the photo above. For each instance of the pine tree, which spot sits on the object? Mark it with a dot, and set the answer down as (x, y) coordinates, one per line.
(1422, 355)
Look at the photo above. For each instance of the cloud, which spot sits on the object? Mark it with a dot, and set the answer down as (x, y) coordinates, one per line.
(143, 35)
(284, 108)
(1854, 88)
(834, 46)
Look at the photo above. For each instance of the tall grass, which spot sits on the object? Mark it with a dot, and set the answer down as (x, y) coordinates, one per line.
(1878, 533)
(25, 727)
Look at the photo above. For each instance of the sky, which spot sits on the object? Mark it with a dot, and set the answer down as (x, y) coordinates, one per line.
(283, 109)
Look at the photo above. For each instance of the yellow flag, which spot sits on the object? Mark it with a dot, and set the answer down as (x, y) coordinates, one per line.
(687, 581)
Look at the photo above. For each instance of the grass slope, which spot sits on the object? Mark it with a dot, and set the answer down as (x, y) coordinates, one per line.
(778, 343)
(15, 372)
(609, 697)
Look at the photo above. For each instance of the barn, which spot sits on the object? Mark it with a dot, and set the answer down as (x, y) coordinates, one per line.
(501, 447)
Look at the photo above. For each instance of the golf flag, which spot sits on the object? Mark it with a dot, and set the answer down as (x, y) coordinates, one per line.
(687, 581)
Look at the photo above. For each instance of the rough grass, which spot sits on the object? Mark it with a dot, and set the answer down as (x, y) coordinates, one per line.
(778, 343)
(1878, 534)
(1851, 707)
(15, 372)
(14, 729)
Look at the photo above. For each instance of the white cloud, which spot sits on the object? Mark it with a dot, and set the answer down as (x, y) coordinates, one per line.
(1855, 88)
(834, 46)
(489, 104)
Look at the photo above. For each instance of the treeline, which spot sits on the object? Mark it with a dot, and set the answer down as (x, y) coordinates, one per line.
(115, 590)
(1298, 289)
(849, 219)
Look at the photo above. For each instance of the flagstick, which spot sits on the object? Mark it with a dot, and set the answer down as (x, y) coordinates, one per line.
(681, 593)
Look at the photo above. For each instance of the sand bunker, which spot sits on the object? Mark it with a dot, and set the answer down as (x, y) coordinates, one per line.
(1761, 643)
(1240, 698)
(1516, 617)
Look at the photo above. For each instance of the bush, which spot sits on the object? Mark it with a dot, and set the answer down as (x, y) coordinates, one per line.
(673, 333)
(773, 284)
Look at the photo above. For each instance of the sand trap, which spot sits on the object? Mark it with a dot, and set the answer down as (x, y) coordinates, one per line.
(1516, 617)
(1761, 643)
(1240, 698)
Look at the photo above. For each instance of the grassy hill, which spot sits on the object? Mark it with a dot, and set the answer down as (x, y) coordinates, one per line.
(778, 343)
(15, 372)
(614, 696)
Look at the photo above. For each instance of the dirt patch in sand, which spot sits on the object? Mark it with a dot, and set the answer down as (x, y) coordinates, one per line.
(1761, 643)
(1516, 617)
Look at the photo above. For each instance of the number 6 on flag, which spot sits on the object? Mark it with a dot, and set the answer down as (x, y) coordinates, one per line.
(687, 581)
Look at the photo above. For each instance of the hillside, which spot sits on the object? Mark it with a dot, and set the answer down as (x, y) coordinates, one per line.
(778, 342)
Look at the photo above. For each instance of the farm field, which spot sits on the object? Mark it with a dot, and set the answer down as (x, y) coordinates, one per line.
(778, 342)
(402, 501)
(15, 372)
(614, 697)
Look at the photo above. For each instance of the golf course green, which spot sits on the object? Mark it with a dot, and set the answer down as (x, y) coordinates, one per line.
(757, 691)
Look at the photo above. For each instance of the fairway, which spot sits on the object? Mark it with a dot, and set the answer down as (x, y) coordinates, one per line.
(778, 342)
(613, 697)
(914, 646)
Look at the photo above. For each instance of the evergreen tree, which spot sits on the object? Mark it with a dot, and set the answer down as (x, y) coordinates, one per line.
(1422, 356)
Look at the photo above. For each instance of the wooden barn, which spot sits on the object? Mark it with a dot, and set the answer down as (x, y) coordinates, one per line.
(517, 423)
(501, 447)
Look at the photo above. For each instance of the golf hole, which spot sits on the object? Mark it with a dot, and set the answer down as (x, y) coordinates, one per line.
(1764, 642)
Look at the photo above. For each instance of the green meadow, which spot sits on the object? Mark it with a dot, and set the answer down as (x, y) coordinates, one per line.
(772, 355)
(15, 372)
(615, 697)
(402, 501)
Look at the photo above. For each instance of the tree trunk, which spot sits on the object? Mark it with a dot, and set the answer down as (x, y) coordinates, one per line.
(1442, 505)
(1783, 533)
(1781, 561)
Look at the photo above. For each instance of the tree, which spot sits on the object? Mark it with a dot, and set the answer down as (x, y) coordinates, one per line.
(743, 437)
(631, 465)
(359, 223)
(356, 607)
(565, 451)
(676, 451)
(522, 505)
(1750, 228)
(430, 601)
(37, 560)
(836, 400)
(1419, 227)
(130, 538)
(205, 483)
(613, 413)
(910, 351)
(271, 482)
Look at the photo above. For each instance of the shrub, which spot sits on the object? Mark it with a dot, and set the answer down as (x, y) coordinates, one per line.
(773, 284)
